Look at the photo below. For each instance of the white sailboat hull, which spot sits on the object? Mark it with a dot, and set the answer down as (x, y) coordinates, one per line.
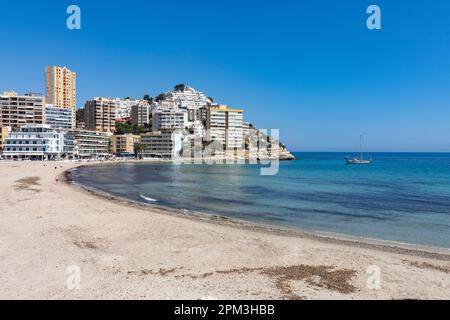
(358, 161)
(361, 159)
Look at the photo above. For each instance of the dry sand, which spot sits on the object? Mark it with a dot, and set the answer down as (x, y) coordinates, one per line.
(128, 251)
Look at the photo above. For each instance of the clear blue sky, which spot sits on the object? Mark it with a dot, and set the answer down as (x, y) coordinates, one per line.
(310, 68)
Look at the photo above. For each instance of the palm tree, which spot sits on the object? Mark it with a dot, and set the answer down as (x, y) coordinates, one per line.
(138, 148)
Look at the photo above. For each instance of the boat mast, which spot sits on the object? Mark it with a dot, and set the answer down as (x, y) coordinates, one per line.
(360, 147)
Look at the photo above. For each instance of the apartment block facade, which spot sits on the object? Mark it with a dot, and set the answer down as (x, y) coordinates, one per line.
(21, 110)
(162, 144)
(100, 115)
(91, 144)
(140, 114)
(38, 142)
(58, 118)
(167, 119)
(225, 125)
(60, 88)
(123, 107)
(192, 103)
(124, 144)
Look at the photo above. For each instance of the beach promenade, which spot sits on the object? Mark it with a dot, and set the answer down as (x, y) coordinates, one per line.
(128, 251)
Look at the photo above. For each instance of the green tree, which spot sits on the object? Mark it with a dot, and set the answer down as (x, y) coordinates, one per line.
(135, 129)
(138, 148)
(127, 127)
(180, 87)
(122, 128)
(160, 97)
(80, 114)
(110, 147)
(148, 98)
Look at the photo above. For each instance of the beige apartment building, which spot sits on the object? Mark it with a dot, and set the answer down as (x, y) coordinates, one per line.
(20, 110)
(124, 143)
(4, 131)
(60, 88)
(225, 125)
(100, 115)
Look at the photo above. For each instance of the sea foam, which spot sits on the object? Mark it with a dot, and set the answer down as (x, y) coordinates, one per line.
(148, 198)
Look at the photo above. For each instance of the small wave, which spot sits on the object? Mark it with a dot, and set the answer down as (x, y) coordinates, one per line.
(148, 198)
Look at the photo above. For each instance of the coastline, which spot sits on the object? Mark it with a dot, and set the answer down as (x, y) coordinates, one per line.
(438, 253)
(132, 250)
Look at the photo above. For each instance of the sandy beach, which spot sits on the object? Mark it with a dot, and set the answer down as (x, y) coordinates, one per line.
(127, 251)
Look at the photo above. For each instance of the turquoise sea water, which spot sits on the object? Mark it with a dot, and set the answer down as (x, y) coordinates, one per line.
(401, 197)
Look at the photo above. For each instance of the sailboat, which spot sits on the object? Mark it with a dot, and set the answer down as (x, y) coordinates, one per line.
(361, 159)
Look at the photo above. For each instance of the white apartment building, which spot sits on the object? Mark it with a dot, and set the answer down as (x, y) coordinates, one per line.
(225, 125)
(246, 127)
(160, 144)
(38, 142)
(235, 130)
(91, 144)
(123, 107)
(191, 102)
(58, 118)
(188, 98)
(167, 119)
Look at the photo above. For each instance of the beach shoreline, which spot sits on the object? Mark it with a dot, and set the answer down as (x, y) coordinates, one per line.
(439, 253)
(132, 250)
